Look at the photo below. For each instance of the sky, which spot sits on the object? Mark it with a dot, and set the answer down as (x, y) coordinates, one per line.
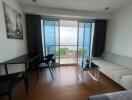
(68, 35)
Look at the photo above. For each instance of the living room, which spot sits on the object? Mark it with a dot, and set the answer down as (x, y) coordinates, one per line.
(106, 50)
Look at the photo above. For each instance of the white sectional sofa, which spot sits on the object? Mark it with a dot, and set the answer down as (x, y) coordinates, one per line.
(116, 67)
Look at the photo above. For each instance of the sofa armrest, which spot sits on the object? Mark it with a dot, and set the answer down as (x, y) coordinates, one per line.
(98, 97)
(122, 95)
(126, 81)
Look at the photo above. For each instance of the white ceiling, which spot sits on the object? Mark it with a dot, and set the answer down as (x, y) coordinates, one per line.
(80, 5)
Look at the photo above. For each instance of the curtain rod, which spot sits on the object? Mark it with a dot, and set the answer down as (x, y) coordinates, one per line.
(67, 18)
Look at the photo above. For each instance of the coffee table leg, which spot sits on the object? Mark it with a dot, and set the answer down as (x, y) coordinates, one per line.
(97, 73)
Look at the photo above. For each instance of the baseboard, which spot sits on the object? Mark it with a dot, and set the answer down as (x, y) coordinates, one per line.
(63, 65)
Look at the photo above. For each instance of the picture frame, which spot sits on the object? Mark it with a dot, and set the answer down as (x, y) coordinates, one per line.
(13, 21)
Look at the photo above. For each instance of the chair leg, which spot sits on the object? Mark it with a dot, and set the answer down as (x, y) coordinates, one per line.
(25, 83)
(37, 74)
(10, 95)
(51, 71)
(40, 70)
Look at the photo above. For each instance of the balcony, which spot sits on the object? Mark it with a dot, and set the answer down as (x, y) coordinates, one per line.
(68, 54)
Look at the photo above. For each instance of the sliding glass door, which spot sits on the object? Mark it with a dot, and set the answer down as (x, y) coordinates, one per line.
(84, 42)
(62, 39)
(68, 42)
(51, 38)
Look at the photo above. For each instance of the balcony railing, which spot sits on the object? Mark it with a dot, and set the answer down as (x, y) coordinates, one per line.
(68, 53)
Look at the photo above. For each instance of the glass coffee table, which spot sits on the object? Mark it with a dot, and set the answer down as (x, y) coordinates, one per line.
(92, 70)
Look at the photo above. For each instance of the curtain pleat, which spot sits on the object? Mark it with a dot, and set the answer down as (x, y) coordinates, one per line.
(99, 38)
(33, 30)
(34, 39)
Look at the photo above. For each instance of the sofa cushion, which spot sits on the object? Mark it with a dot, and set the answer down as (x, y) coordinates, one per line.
(106, 67)
(109, 69)
(118, 68)
(101, 62)
(126, 82)
(118, 59)
(117, 74)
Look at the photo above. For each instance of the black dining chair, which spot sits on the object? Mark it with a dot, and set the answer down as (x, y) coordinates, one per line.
(7, 82)
(46, 62)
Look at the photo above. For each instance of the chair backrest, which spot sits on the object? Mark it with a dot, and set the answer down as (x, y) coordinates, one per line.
(8, 81)
(49, 57)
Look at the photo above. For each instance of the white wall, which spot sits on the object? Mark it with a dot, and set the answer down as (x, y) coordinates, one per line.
(11, 48)
(119, 35)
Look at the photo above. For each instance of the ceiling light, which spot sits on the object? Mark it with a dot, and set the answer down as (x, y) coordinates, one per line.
(107, 8)
(34, 0)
